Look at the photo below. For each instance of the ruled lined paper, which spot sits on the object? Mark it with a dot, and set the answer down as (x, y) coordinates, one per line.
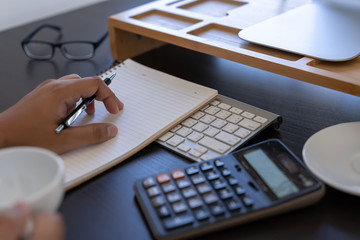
(153, 103)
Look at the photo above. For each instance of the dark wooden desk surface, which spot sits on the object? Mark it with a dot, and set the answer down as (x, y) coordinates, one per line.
(105, 208)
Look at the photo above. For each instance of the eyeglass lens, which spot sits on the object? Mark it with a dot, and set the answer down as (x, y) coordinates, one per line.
(39, 50)
(75, 51)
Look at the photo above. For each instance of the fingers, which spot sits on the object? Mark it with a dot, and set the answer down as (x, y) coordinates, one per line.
(48, 226)
(86, 87)
(13, 221)
(85, 135)
(70, 76)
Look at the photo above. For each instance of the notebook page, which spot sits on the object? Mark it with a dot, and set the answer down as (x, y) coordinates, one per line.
(153, 102)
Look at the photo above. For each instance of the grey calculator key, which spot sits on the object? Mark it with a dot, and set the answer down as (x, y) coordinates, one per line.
(149, 182)
(179, 207)
(158, 201)
(188, 192)
(178, 221)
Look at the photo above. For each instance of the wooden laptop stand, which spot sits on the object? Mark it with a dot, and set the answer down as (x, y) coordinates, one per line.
(212, 26)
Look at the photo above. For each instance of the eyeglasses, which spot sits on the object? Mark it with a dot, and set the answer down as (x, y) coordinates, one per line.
(73, 50)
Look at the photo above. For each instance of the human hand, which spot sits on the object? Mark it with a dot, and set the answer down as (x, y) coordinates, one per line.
(46, 225)
(33, 120)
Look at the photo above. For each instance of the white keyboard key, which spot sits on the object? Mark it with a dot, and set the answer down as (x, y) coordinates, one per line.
(223, 114)
(248, 115)
(207, 119)
(200, 127)
(249, 124)
(175, 140)
(166, 136)
(242, 132)
(224, 106)
(211, 132)
(230, 128)
(214, 145)
(228, 138)
(194, 153)
(205, 107)
(198, 115)
(235, 110)
(215, 102)
(201, 149)
(212, 110)
(218, 123)
(195, 136)
(184, 131)
(174, 129)
(260, 119)
(205, 157)
(189, 122)
(184, 147)
(234, 118)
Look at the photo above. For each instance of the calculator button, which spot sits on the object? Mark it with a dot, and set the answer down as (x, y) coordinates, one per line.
(233, 204)
(212, 175)
(232, 181)
(218, 184)
(149, 182)
(188, 192)
(217, 209)
(178, 221)
(173, 197)
(225, 193)
(225, 172)
(201, 214)
(196, 179)
(153, 191)
(177, 174)
(219, 163)
(206, 166)
(192, 170)
(248, 202)
(163, 212)
(210, 198)
(179, 207)
(168, 187)
(163, 178)
(203, 188)
(182, 183)
(195, 202)
(158, 201)
(239, 190)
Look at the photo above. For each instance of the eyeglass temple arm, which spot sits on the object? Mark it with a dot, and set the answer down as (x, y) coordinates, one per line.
(57, 28)
(98, 42)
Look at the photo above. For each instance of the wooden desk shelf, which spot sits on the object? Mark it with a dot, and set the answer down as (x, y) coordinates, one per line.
(212, 26)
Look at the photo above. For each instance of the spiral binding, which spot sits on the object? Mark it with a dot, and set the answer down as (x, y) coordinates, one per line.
(113, 67)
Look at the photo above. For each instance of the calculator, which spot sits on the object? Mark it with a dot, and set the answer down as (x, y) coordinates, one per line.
(259, 181)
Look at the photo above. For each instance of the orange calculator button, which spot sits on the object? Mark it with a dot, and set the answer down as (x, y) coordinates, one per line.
(163, 178)
(177, 174)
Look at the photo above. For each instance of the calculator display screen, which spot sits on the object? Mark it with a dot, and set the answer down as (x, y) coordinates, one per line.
(279, 183)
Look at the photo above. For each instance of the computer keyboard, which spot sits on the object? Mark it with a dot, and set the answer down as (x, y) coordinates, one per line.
(217, 129)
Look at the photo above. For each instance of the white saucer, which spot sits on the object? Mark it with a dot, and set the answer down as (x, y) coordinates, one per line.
(333, 155)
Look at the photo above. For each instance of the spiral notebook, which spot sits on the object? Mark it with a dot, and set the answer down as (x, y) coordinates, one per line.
(153, 103)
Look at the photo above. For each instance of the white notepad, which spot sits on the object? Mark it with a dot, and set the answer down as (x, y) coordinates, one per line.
(153, 103)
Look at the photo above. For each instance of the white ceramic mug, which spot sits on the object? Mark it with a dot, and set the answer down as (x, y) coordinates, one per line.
(32, 175)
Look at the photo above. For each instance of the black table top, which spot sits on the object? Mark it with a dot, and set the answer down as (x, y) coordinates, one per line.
(105, 207)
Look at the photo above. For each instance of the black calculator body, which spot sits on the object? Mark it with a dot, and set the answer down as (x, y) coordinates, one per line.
(259, 181)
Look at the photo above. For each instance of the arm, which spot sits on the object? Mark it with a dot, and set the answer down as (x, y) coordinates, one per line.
(33, 120)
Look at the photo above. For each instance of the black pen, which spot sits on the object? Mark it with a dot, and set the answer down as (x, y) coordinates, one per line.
(80, 108)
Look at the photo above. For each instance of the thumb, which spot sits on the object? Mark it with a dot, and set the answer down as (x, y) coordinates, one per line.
(88, 134)
(13, 221)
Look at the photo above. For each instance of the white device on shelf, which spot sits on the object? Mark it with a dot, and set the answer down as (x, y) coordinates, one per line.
(323, 29)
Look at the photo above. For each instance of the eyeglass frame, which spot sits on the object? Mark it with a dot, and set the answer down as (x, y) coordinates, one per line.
(28, 40)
